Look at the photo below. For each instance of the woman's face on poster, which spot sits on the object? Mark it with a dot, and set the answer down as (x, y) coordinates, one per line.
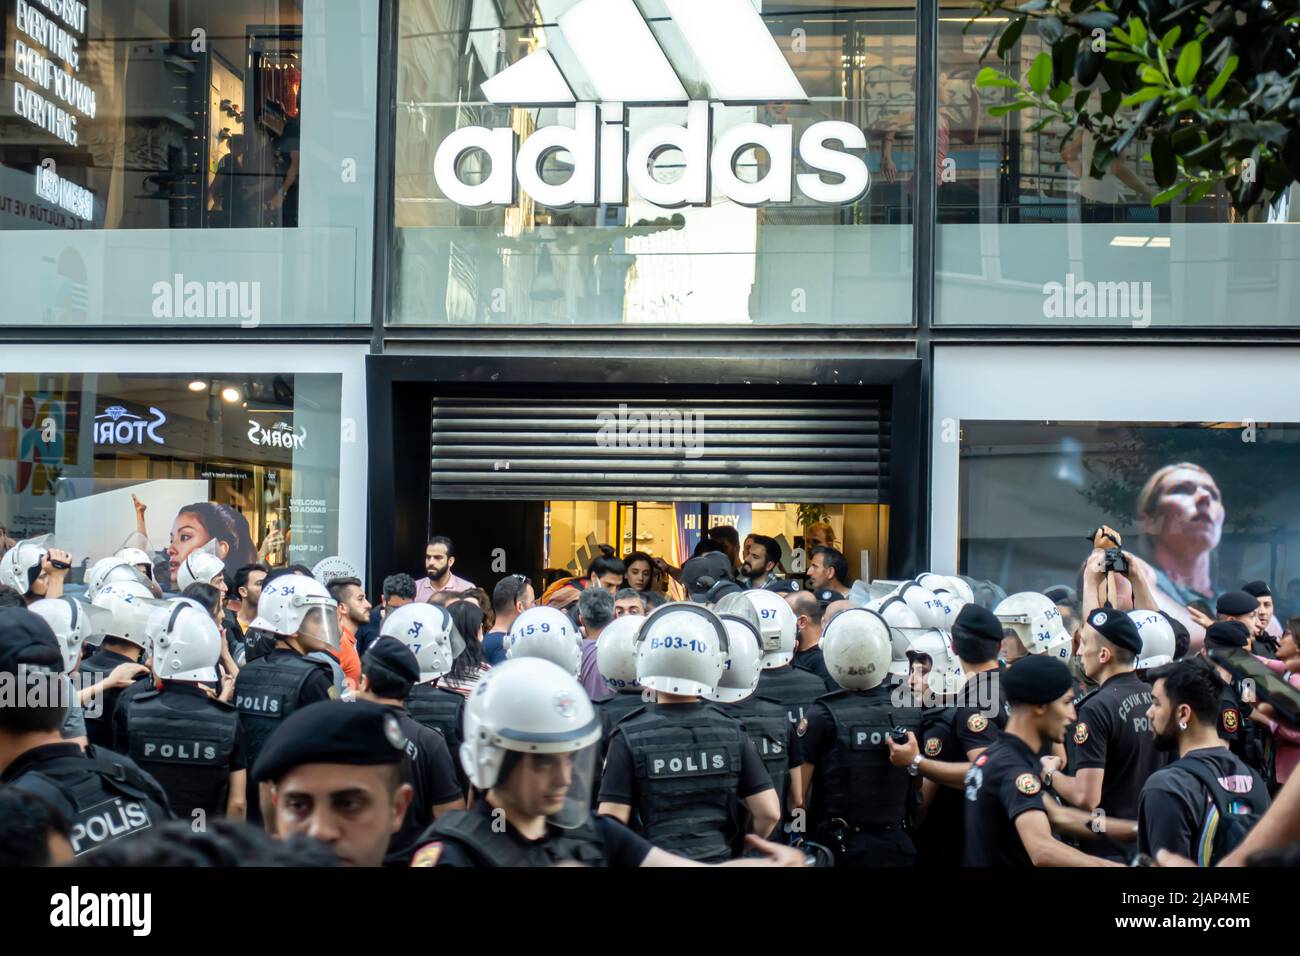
(1188, 507)
(188, 534)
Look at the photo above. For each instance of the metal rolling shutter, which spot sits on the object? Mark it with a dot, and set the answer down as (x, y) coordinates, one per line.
(824, 450)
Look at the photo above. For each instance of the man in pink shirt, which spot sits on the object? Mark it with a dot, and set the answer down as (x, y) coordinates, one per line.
(439, 559)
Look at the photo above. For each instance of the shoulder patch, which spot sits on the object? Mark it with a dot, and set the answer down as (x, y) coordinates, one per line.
(427, 855)
(1080, 733)
(976, 723)
(1028, 784)
(803, 726)
(932, 746)
(333, 692)
(1231, 719)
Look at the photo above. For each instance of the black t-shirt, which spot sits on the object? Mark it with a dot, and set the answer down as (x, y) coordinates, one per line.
(939, 835)
(1113, 734)
(101, 707)
(1001, 785)
(981, 713)
(618, 780)
(427, 767)
(622, 846)
(1174, 806)
(179, 697)
(813, 660)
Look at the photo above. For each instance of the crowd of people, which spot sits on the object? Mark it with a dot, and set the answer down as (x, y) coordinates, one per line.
(727, 712)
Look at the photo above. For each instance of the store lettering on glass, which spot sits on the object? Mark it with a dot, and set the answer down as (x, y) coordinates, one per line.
(117, 426)
(47, 55)
(279, 435)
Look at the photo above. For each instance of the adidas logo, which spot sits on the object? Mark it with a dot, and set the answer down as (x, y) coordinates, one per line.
(605, 57)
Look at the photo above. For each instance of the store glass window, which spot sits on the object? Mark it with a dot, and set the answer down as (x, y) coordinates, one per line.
(1206, 506)
(1027, 237)
(662, 162)
(194, 161)
(244, 467)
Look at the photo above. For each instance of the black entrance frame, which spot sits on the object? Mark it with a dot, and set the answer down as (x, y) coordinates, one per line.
(400, 389)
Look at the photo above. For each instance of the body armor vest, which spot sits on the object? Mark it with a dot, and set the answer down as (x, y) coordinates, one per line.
(187, 751)
(768, 726)
(793, 688)
(856, 782)
(472, 830)
(266, 692)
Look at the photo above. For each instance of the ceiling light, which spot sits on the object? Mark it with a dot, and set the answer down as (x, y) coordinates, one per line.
(198, 386)
(230, 394)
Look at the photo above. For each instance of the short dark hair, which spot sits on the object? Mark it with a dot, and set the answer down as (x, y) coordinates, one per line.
(834, 560)
(399, 585)
(1194, 683)
(725, 532)
(222, 843)
(287, 569)
(240, 580)
(206, 594)
(1123, 656)
(771, 547)
(707, 545)
(443, 540)
(10, 598)
(508, 591)
(806, 603)
(1182, 637)
(26, 822)
(384, 682)
(603, 566)
(338, 587)
(596, 607)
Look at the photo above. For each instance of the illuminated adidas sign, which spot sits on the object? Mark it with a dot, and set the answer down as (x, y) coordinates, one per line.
(731, 56)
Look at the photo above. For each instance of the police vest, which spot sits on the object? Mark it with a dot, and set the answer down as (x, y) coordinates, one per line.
(472, 830)
(855, 781)
(687, 770)
(102, 795)
(438, 709)
(266, 692)
(188, 752)
(615, 708)
(768, 726)
(793, 688)
(99, 712)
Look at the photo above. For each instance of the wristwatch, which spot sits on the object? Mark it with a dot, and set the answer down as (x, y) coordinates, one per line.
(915, 766)
(1047, 778)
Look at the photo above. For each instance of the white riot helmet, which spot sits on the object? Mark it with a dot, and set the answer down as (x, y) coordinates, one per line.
(547, 633)
(21, 565)
(1037, 623)
(74, 623)
(297, 604)
(923, 602)
(952, 606)
(744, 663)
(681, 649)
(935, 582)
(946, 676)
(737, 605)
(776, 626)
(198, 568)
(899, 617)
(1158, 641)
(113, 570)
(531, 706)
(429, 633)
(130, 603)
(857, 648)
(186, 643)
(138, 559)
(616, 653)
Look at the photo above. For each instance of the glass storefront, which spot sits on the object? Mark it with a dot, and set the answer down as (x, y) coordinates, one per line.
(541, 179)
(245, 466)
(1027, 237)
(190, 160)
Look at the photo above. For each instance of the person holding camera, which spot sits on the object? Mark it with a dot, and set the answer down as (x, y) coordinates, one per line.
(1116, 576)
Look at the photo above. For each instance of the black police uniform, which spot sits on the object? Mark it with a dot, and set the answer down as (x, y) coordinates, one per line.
(469, 838)
(1001, 784)
(189, 742)
(682, 768)
(268, 690)
(814, 661)
(1175, 811)
(427, 766)
(938, 837)
(440, 709)
(104, 796)
(973, 725)
(793, 688)
(96, 667)
(610, 711)
(1113, 734)
(1238, 731)
(860, 804)
(767, 724)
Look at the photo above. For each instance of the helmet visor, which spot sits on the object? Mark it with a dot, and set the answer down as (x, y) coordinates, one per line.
(322, 624)
(567, 776)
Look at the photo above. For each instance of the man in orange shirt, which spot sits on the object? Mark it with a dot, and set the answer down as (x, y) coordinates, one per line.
(353, 611)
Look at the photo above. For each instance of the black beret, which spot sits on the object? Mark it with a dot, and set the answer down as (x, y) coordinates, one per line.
(1257, 589)
(396, 658)
(782, 586)
(25, 638)
(975, 621)
(1117, 627)
(1227, 634)
(1236, 603)
(362, 734)
(1036, 679)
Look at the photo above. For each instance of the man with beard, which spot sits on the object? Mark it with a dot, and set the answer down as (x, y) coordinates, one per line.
(1199, 806)
(762, 557)
(439, 559)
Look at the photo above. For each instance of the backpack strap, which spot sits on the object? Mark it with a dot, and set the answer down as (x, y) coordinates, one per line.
(1217, 813)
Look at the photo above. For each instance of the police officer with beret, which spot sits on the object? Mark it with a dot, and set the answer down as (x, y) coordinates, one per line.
(1008, 820)
(190, 741)
(102, 795)
(1238, 606)
(388, 672)
(1111, 750)
(677, 769)
(530, 739)
(859, 804)
(1265, 638)
(333, 772)
(1243, 736)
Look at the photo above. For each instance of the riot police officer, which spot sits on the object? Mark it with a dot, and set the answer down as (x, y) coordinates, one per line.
(530, 738)
(299, 614)
(782, 681)
(859, 803)
(546, 633)
(677, 768)
(616, 661)
(1244, 737)
(75, 624)
(130, 603)
(102, 795)
(190, 741)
